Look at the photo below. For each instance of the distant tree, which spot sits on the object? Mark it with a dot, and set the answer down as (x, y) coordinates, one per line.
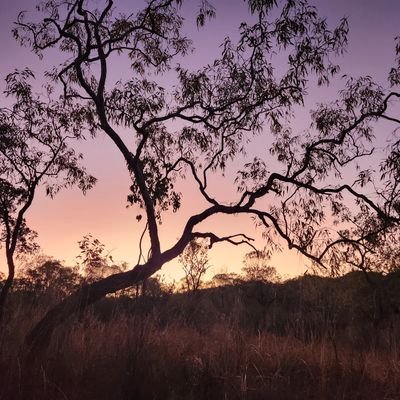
(195, 263)
(95, 261)
(34, 152)
(49, 276)
(192, 124)
(256, 267)
(224, 279)
(153, 287)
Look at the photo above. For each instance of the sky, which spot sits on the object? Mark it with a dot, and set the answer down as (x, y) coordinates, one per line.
(63, 221)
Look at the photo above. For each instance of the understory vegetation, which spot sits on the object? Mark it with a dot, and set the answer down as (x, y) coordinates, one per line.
(307, 338)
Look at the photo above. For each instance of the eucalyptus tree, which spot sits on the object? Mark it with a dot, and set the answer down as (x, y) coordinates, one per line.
(46, 277)
(34, 152)
(195, 263)
(257, 268)
(94, 261)
(192, 124)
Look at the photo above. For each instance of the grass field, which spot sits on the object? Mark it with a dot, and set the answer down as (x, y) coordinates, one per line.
(181, 348)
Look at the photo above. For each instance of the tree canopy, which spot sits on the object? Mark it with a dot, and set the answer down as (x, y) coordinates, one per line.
(34, 152)
(195, 263)
(191, 124)
(257, 268)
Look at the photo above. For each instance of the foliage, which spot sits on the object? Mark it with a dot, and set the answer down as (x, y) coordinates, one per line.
(195, 125)
(50, 277)
(153, 287)
(256, 267)
(222, 106)
(34, 152)
(382, 250)
(195, 263)
(95, 261)
(224, 279)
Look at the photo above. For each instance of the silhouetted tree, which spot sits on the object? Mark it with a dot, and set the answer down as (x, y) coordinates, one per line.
(95, 260)
(227, 279)
(34, 152)
(252, 88)
(257, 268)
(381, 246)
(49, 276)
(195, 263)
(153, 287)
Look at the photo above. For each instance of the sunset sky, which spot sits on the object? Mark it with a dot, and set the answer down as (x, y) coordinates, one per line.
(63, 221)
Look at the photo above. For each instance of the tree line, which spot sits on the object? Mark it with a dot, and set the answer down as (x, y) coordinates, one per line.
(42, 275)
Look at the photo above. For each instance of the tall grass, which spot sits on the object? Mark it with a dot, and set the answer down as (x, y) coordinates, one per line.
(143, 356)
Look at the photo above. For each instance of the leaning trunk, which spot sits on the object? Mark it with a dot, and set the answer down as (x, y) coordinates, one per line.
(40, 336)
(7, 285)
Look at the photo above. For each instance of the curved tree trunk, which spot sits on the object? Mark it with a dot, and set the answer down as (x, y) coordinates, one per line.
(39, 337)
(7, 285)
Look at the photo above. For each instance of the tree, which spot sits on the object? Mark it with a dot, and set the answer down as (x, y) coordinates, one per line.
(34, 152)
(290, 192)
(96, 262)
(49, 276)
(195, 263)
(381, 246)
(227, 279)
(256, 267)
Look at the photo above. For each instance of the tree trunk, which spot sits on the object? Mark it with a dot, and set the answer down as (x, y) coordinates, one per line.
(39, 337)
(7, 285)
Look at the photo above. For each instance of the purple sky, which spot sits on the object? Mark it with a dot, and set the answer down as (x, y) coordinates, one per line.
(63, 221)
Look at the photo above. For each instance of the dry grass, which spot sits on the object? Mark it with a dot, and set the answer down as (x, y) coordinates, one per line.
(131, 357)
